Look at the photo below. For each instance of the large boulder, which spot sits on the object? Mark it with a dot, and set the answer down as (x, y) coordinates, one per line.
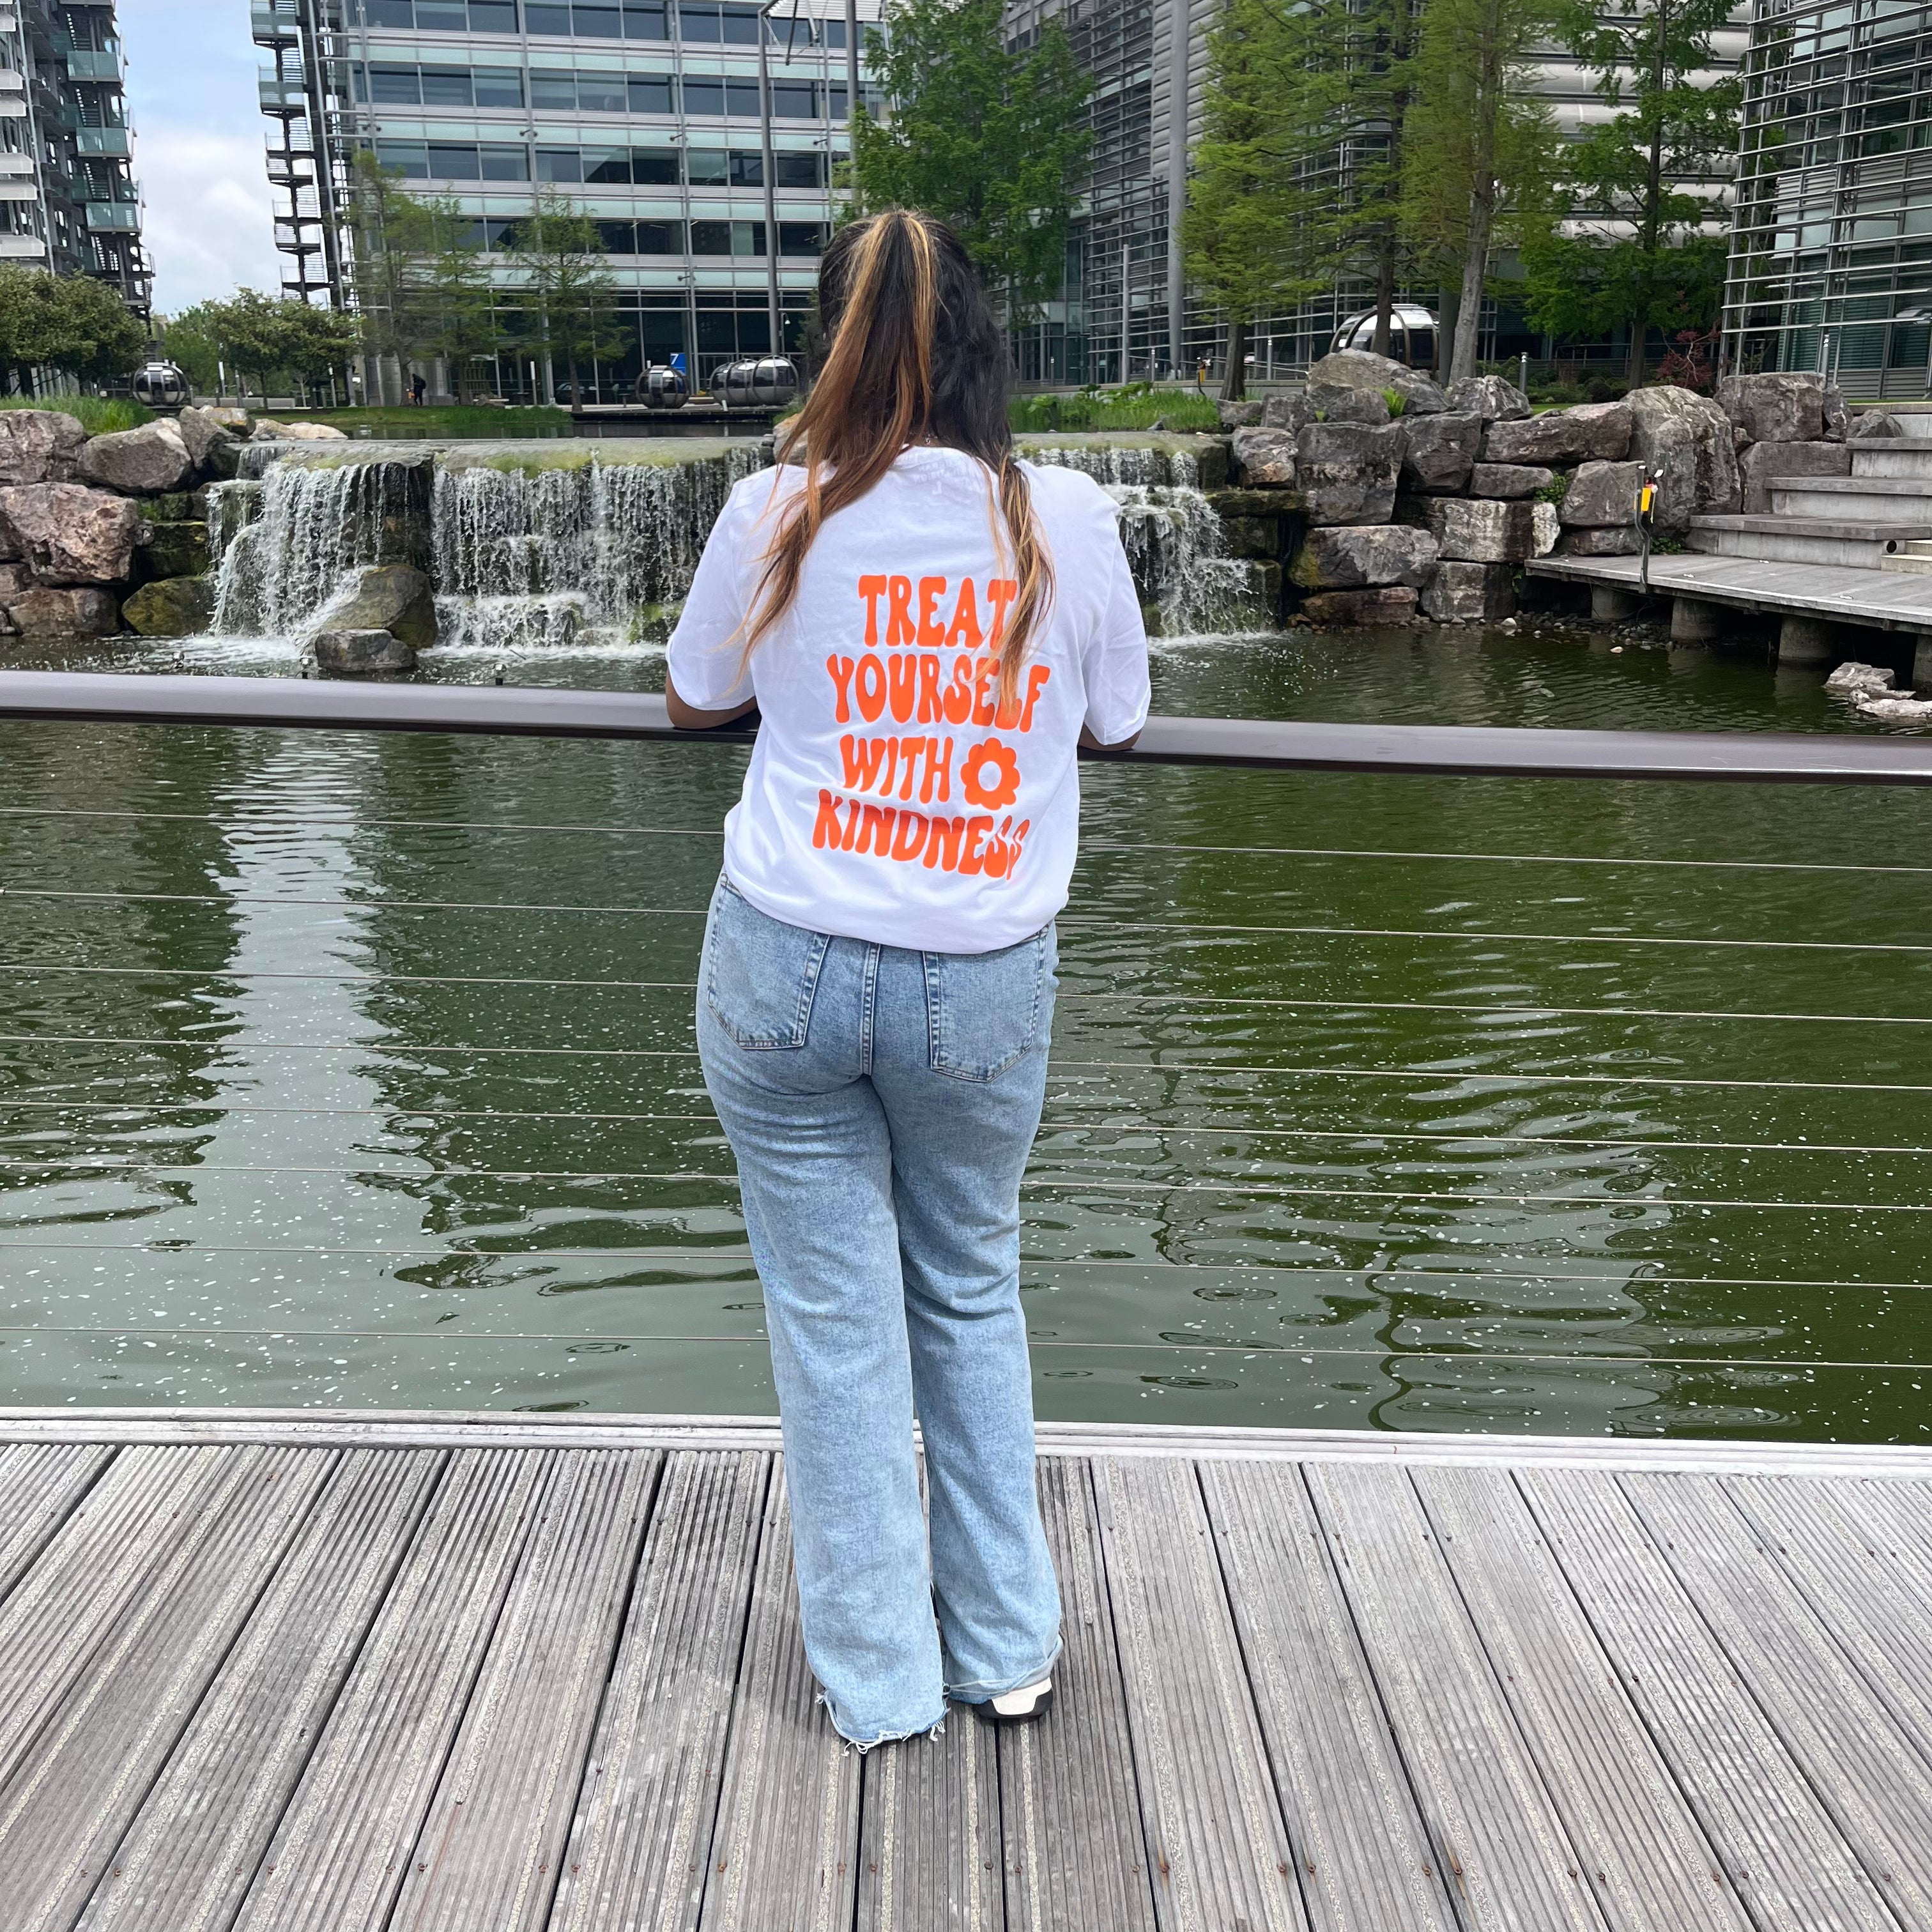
(1288, 410)
(172, 607)
(208, 439)
(1467, 593)
(1360, 556)
(1357, 369)
(68, 534)
(139, 462)
(1264, 456)
(1763, 463)
(38, 446)
(1474, 529)
(1687, 440)
(387, 597)
(347, 653)
(1337, 402)
(1622, 540)
(1238, 415)
(177, 549)
(313, 432)
(1347, 472)
(1775, 407)
(1869, 424)
(1603, 495)
(1388, 604)
(1509, 481)
(1598, 432)
(1490, 397)
(1837, 417)
(1442, 451)
(48, 612)
(1546, 526)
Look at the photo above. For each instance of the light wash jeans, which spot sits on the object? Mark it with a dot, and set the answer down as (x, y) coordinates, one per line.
(881, 1104)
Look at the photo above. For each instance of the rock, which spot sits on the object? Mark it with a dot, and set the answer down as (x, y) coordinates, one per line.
(68, 534)
(1238, 415)
(1360, 556)
(1775, 408)
(1870, 423)
(1509, 481)
(1210, 455)
(1474, 529)
(1603, 495)
(1251, 536)
(1441, 450)
(1623, 540)
(1546, 527)
(1264, 456)
(229, 417)
(1459, 592)
(1392, 604)
(389, 597)
(1895, 710)
(1490, 397)
(1229, 503)
(1347, 472)
(177, 550)
(38, 446)
(1334, 402)
(139, 462)
(1357, 369)
(1263, 586)
(49, 613)
(1764, 462)
(173, 607)
(342, 652)
(1838, 418)
(265, 430)
(1686, 439)
(1289, 411)
(308, 432)
(1598, 432)
(1740, 438)
(204, 433)
(1859, 677)
(14, 578)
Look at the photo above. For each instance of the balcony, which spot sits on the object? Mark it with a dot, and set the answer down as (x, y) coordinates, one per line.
(85, 63)
(113, 217)
(22, 248)
(102, 141)
(274, 23)
(281, 97)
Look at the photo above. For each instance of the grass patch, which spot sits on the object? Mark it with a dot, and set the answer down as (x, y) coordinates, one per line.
(458, 420)
(1138, 405)
(99, 415)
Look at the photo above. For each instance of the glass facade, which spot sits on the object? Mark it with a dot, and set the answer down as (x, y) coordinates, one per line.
(1831, 265)
(645, 116)
(68, 200)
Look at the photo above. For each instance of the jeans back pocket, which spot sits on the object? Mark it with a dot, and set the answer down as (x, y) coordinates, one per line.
(986, 1010)
(759, 974)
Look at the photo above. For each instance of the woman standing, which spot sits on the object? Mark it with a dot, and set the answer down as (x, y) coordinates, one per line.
(928, 629)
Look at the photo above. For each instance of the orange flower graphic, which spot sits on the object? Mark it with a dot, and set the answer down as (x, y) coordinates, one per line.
(1005, 785)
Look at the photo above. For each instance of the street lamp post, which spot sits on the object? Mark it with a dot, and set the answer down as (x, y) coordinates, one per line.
(769, 168)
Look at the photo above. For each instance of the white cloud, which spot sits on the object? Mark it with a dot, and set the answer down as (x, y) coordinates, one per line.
(210, 220)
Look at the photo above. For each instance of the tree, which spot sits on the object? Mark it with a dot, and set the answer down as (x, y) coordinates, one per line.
(568, 295)
(71, 323)
(1624, 245)
(1477, 151)
(190, 341)
(266, 336)
(993, 142)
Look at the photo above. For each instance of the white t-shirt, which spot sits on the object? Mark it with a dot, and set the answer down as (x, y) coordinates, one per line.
(890, 798)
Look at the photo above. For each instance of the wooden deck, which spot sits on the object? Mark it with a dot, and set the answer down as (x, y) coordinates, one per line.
(292, 1674)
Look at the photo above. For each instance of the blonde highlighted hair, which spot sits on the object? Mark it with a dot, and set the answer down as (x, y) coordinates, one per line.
(916, 358)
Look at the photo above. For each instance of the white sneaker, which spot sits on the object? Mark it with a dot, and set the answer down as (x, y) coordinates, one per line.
(1020, 1706)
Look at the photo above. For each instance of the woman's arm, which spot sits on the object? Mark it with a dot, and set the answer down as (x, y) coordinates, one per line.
(688, 717)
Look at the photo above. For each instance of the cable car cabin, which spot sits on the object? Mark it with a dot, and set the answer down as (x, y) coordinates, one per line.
(1412, 335)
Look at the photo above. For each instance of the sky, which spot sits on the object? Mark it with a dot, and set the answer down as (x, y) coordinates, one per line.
(199, 149)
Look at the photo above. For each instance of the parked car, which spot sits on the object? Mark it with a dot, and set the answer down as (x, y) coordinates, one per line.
(1411, 335)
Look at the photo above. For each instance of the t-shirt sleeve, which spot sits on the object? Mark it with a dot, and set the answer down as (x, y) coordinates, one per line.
(1115, 663)
(706, 658)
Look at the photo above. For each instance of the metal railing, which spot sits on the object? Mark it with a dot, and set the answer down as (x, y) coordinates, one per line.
(1348, 1112)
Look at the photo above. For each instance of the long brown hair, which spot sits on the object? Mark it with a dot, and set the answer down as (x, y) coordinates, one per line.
(916, 357)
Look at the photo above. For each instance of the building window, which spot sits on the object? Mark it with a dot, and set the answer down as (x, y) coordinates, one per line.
(660, 237)
(651, 94)
(707, 97)
(443, 16)
(504, 163)
(800, 237)
(727, 238)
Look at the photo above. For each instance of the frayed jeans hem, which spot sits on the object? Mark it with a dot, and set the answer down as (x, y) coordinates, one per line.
(862, 1745)
(985, 1691)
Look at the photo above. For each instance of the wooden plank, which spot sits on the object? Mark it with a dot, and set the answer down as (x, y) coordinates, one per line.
(784, 1855)
(1359, 1843)
(338, 1856)
(69, 1799)
(102, 1559)
(1875, 1784)
(199, 1839)
(1070, 1808)
(638, 1845)
(41, 1485)
(929, 1832)
(1654, 1869)
(1778, 1843)
(1494, 1828)
(492, 1844)
(1217, 1847)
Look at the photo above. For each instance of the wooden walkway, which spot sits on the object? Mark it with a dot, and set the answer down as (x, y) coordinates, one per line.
(288, 1675)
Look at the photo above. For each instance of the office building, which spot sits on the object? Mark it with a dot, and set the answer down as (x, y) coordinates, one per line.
(68, 198)
(645, 113)
(1831, 264)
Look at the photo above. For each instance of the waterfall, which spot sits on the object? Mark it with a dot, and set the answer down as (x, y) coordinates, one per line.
(1173, 537)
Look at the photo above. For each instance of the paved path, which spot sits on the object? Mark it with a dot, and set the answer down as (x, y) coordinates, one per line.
(335, 1676)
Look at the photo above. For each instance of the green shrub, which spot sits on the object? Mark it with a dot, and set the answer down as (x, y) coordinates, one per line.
(1553, 492)
(1397, 402)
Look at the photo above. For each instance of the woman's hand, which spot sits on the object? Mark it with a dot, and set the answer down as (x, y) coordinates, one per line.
(688, 717)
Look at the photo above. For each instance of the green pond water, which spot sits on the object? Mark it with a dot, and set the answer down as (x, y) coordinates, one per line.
(356, 1070)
